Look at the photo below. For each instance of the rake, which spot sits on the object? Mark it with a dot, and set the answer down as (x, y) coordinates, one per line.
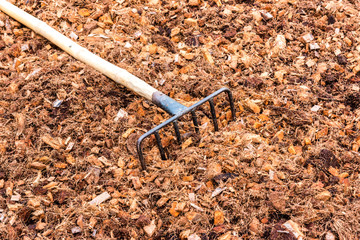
(123, 77)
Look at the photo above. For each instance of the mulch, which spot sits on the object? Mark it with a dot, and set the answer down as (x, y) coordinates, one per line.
(69, 166)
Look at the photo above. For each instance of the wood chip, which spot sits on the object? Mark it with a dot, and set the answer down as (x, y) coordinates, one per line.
(172, 210)
(122, 114)
(180, 206)
(191, 22)
(194, 2)
(55, 143)
(213, 169)
(219, 218)
(15, 198)
(106, 18)
(266, 15)
(37, 165)
(75, 230)
(253, 106)
(187, 143)
(194, 236)
(314, 46)
(35, 203)
(150, 229)
(208, 56)
(100, 199)
(294, 228)
(330, 236)
(84, 12)
(217, 191)
(50, 185)
(196, 207)
(308, 37)
(255, 225)
(161, 202)
(136, 182)
(226, 236)
(323, 196)
(218, 3)
(128, 132)
(278, 200)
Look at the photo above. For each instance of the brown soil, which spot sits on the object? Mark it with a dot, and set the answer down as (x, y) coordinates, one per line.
(291, 155)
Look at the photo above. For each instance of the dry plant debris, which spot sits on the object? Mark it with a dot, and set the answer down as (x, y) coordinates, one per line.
(287, 168)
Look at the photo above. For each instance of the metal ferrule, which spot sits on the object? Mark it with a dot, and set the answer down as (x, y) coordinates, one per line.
(167, 103)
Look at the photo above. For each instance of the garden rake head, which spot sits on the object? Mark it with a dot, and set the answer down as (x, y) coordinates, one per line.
(178, 110)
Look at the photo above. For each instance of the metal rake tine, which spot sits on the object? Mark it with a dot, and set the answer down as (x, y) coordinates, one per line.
(196, 124)
(177, 132)
(160, 146)
(232, 106)
(213, 114)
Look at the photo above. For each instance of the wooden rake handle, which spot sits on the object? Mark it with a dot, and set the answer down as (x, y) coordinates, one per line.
(117, 74)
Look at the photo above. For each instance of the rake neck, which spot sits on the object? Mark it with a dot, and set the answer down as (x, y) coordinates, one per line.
(167, 103)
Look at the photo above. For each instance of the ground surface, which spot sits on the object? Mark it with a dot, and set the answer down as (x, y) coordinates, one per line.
(291, 156)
